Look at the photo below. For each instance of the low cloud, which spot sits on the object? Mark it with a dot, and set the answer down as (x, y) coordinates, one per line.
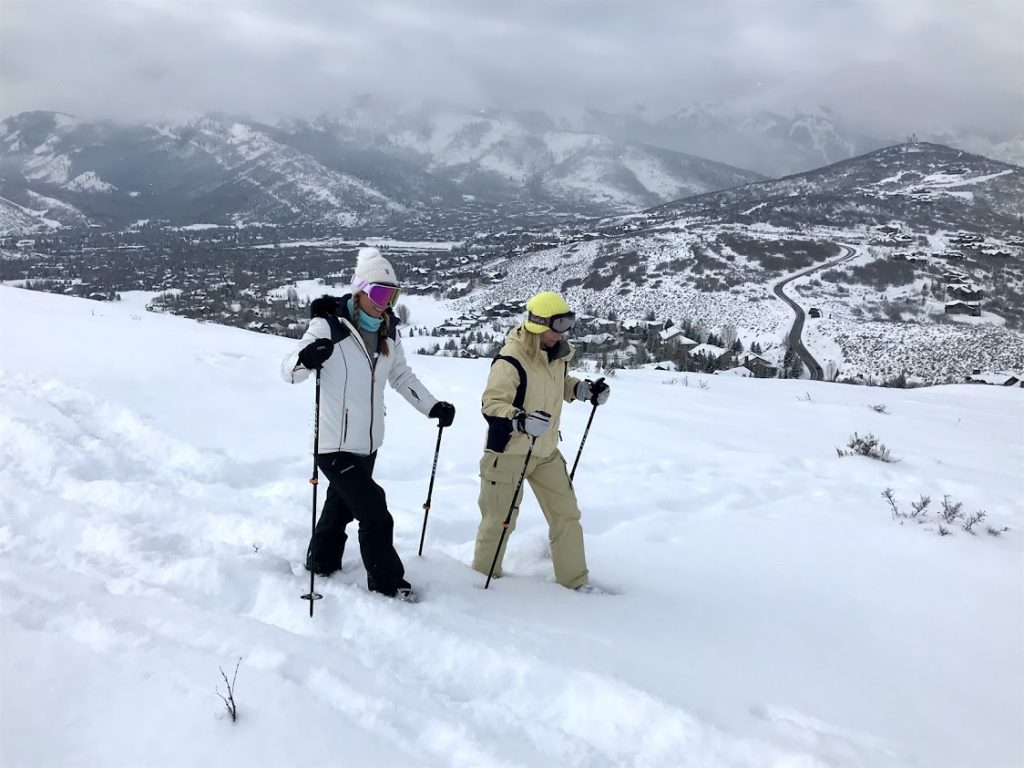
(892, 67)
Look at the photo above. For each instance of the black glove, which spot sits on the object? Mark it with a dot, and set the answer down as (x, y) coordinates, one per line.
(595, 391)
(533, 424)
(315, 354)
(443, 412)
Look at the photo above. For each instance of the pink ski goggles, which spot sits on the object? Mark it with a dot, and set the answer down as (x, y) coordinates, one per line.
(381, 294)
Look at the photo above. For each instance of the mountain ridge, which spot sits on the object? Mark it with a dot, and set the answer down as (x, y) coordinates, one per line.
(328, 173)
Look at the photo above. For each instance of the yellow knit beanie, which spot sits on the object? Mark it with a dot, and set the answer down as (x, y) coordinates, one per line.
(545, 304)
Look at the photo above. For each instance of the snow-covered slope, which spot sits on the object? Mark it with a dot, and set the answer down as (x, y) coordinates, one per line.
(14, 218)
(713, 259)
(154, 511)
(213, 168)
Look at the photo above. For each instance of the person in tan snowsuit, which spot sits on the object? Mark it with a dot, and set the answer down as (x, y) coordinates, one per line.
(522, 403)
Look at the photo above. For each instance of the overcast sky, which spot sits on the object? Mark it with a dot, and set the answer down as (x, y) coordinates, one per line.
(894, 66)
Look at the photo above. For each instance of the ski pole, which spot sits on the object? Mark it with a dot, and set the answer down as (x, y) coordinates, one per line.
(430, 490)
(508, 517)
(314, 481)
(585, 433)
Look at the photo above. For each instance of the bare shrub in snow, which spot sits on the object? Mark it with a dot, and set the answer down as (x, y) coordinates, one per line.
(879, 408)
(972, 521)
(229, 700)
(889, 495)
(703, 384)
(920, 508)
(869, 446)
(951, 511)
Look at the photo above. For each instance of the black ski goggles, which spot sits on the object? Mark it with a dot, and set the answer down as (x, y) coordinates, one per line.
(562, 323)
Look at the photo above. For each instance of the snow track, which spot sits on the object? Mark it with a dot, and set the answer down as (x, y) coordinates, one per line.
(443, 687)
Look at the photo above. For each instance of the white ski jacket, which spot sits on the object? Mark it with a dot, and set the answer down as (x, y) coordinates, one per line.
(352, 387)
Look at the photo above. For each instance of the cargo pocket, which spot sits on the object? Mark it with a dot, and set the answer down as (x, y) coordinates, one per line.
(497, 484)
(490, 472)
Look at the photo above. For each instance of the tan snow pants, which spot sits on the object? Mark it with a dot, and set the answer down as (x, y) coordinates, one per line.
(499, 473)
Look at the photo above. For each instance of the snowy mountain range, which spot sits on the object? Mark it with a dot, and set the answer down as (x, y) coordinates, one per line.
(376, 167)
(338, 172)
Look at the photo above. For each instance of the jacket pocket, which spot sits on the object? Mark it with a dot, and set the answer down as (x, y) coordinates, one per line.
(344, 425)
(493, 470)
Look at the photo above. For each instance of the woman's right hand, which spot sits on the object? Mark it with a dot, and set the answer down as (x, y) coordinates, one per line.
(315, 354)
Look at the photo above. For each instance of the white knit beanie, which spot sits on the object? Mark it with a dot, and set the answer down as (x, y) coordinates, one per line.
(371, 267)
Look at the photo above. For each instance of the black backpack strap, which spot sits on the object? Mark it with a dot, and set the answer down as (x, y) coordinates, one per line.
(520, 397)
(338, 330)
(499, 430)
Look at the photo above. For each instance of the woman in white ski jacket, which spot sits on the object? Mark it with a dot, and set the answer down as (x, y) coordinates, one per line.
(354, 341)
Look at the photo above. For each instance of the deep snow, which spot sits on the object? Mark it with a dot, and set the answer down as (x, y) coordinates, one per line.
(154, 511)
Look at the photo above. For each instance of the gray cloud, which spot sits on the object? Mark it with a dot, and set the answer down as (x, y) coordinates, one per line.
(891, 65)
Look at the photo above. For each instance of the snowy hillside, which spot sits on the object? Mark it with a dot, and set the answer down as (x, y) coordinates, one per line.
(768, 610)
(215, 167)
(920, 218)
(14, 218)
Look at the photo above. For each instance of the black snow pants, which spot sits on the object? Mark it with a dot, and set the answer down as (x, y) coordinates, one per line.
(354, 495)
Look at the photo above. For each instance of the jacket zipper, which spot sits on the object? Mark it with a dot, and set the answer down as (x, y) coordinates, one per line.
(373, 377)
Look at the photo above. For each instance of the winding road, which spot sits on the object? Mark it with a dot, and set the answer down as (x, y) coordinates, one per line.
(798, 324)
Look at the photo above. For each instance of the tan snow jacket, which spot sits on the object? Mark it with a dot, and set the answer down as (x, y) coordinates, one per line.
(547, 385)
